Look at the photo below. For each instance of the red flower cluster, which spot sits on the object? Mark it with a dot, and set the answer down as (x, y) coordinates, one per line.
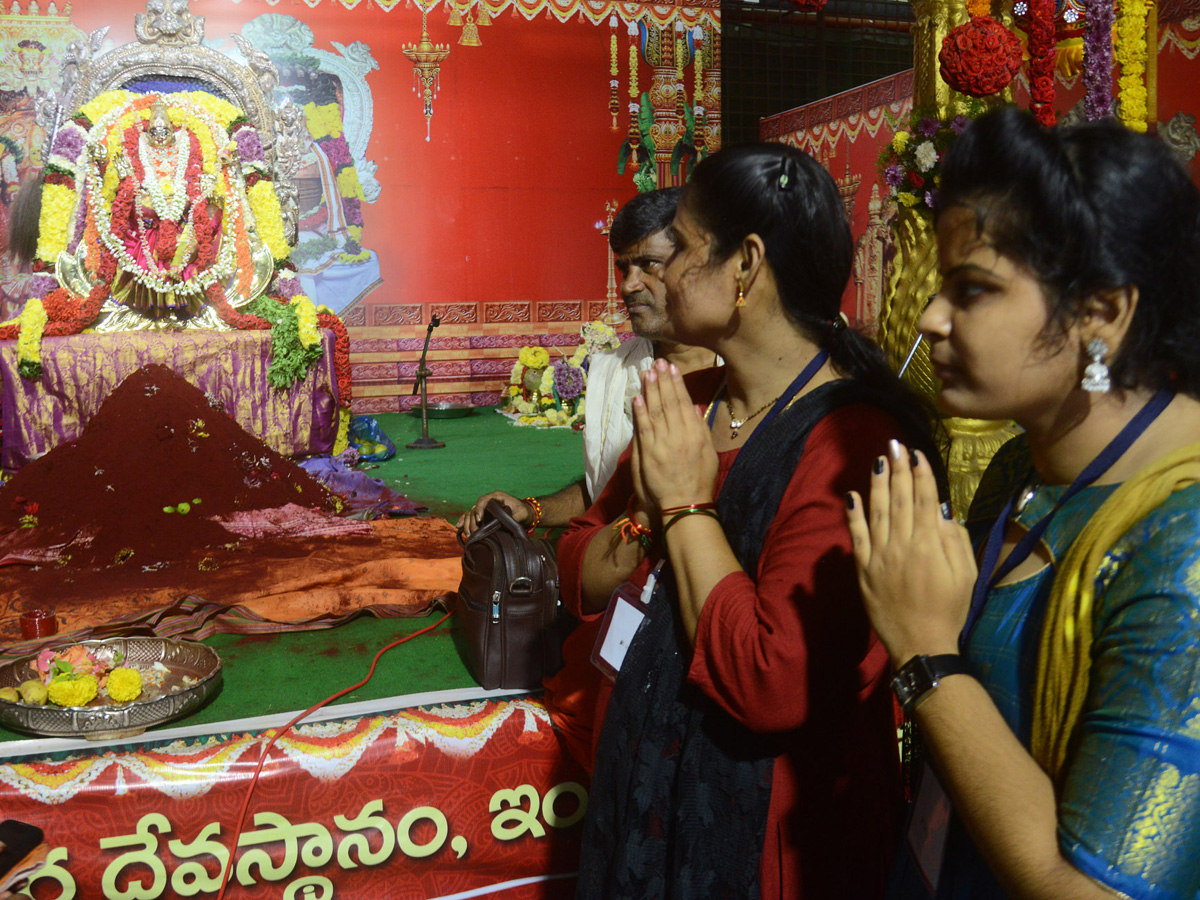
(1041, 60)
(341, 354)
(229, 315)
(810, 5)
(980, 57)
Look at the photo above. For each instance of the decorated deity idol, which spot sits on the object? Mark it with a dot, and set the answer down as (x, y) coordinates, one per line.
(170, 193)
(158, 212)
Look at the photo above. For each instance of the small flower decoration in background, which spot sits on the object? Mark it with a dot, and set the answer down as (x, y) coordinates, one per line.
(980, 57)
(910, 162)
(568, 381)
(545, 394)
(534, 357)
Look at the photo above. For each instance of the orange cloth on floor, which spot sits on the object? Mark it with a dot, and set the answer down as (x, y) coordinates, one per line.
(406, 564)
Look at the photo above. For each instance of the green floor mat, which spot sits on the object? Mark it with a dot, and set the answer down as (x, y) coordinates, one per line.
(484, 452)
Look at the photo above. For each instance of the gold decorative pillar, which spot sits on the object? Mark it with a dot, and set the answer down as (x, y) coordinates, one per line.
(668, 126)
(915, 278)
(711, 51)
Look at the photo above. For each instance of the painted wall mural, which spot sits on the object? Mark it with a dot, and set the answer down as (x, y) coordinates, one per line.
(462, 157)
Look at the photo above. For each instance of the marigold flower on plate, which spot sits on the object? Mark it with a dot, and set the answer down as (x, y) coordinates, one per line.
(124, 684)
(73, 690)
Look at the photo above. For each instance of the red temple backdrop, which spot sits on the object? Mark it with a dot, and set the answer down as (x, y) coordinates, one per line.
(495, 222)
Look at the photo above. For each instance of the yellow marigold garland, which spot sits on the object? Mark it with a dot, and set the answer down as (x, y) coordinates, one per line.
(348, 183)
(54, 224)
(1131, 55)
(33, 320)
(534, 357)
(306, 320)
(264, 204)
(221, 110)
(95, 108)
(323, 121)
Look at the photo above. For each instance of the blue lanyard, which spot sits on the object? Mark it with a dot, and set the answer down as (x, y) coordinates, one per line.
(798, 384)
(989, 575)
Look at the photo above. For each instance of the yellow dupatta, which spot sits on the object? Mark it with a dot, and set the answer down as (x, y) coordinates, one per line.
(1064, 655)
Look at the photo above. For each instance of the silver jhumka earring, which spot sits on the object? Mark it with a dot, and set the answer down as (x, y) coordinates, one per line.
(1095, 375)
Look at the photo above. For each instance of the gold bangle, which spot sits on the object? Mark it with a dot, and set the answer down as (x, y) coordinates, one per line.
(690, 511)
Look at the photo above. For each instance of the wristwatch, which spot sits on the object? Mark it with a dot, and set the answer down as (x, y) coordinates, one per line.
(917, 678)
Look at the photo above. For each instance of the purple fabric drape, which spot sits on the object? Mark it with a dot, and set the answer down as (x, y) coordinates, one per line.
(231, 367)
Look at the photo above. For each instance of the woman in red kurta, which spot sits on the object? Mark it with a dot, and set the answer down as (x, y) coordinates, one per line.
(749, 744)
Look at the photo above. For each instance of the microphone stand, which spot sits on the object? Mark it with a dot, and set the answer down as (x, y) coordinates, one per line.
(425, 442)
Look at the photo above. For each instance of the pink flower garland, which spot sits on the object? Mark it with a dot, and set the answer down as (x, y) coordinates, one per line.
(1041, 60)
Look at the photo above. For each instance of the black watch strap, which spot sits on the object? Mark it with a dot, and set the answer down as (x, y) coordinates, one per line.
(920, 675)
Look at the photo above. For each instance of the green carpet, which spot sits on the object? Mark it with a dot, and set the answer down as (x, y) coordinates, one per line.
(483, 452)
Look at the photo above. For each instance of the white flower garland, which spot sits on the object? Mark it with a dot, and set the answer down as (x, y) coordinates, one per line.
(226, 258)
(166, 208)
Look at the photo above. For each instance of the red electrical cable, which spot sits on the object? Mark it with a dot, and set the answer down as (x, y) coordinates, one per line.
(237, 832)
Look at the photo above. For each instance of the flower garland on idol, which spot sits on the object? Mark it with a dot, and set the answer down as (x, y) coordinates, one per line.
(191, 241)
(325, 126)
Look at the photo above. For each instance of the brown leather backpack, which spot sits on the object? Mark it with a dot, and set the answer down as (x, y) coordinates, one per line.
(507, 607)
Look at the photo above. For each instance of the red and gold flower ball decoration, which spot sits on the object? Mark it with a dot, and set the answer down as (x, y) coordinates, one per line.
(980, 57)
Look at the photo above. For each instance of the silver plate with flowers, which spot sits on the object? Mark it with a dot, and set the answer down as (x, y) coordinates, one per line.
(176, 677)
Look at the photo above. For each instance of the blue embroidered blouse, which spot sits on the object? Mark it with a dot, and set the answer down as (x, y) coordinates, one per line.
(1129, 813)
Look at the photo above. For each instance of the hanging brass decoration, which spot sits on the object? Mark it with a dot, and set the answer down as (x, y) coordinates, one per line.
(614, 102)
(455, 16)
(470, 33)
(427, 58)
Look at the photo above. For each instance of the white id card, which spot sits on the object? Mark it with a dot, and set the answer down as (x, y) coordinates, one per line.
(624, 616)
(929, 826)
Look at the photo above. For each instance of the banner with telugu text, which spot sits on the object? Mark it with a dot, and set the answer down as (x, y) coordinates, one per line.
(453, 801)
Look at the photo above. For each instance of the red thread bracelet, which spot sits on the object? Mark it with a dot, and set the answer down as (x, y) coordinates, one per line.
(675, 509)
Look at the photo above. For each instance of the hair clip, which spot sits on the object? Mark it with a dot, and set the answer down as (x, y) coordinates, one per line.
(785, 179)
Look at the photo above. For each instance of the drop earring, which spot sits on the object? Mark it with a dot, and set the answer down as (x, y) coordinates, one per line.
(1095, 375)
(741, 297)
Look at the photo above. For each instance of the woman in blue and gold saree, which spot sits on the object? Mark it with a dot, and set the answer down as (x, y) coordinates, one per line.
(1049, 651)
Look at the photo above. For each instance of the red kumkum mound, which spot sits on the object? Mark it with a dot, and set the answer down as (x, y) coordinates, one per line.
(155, 442)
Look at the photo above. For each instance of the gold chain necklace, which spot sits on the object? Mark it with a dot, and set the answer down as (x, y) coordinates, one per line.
(735, 424)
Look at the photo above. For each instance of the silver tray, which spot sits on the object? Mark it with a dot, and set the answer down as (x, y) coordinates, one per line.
(444, 410)
(103, 721)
